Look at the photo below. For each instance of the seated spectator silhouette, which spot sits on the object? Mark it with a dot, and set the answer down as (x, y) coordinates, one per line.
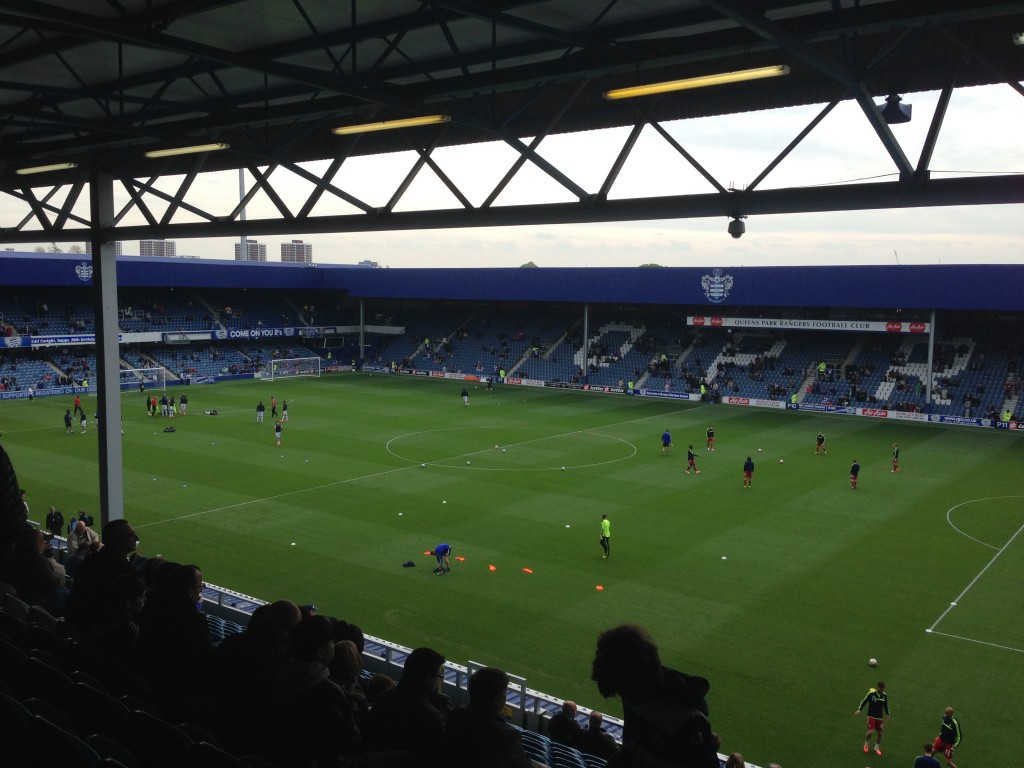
(97, 572)
(75, 560)
(476, 735)
(244, 664)
(563, 727)
(343, 630)
(376, 685)
(81, 536)
(148, 567)
(314, 722)
(595, 740)
(664, 711)
(346, 667)
(115, 629)
(38, 578)
(412, 715)
(174, 640)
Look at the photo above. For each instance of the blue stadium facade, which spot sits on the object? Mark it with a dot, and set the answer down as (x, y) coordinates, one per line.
(960, 287)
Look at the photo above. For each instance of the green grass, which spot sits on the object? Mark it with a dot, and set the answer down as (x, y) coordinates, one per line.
(818, 578)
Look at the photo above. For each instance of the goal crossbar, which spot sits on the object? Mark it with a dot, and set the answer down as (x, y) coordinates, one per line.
(293, 366)
(149, 378)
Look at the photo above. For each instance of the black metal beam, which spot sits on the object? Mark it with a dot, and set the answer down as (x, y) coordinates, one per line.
(985, 190)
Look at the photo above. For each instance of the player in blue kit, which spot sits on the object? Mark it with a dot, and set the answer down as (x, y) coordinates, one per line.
(666, 442)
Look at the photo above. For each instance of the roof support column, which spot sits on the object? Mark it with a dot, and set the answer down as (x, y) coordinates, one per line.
(108, 369)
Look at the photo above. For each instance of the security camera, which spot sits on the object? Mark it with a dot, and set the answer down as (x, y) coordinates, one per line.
(737, 228)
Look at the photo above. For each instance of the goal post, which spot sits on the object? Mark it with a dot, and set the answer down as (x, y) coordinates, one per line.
(149, 378)
(293, 366)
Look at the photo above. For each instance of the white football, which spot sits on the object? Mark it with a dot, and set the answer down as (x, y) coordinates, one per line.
(872, 662)
(782, 461)
(758, 450)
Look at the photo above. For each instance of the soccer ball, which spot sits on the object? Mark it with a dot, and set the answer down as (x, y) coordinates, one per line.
(782, 461)
(468, 462)
(758, 450)
(872, 662)
(563, 469)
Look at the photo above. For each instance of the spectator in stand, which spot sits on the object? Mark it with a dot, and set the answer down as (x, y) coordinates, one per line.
(563, 727)
(346, 667)
(244, 666)
(97, 571)
(82, 536)
(75, 560)
(412, 715)
(314, 723)
(665, 713)
(174, 641)
(115, 627)
(477, 735)
(32, 570)
(735, 760)
(376, 685)
(595, 740)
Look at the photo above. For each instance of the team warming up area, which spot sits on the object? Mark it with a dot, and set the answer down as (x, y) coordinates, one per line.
(569, 513)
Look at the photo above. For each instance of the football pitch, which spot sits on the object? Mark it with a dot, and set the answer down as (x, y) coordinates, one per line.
(779, 594)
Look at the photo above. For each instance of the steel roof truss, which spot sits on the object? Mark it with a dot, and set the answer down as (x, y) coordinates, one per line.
(620, 160)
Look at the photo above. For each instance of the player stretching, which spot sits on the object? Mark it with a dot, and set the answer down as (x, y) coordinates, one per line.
(711, 437)
(820, 443)
(877, 702)
(691, 461)
(854, 471)
(895, 458)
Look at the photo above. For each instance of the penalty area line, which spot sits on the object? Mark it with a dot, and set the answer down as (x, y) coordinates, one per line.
(974, 581)
(979, 642)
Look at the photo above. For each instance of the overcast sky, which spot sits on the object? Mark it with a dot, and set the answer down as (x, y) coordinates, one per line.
(982, 134)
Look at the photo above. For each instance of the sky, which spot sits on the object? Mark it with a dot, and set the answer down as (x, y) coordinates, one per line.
(981, 135)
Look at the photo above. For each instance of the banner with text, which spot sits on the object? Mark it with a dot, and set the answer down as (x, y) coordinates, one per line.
(63, 339)
(869, 326)
(254, 333)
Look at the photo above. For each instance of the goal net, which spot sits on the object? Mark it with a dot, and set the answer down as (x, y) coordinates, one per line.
(293, 366)
(148, 378)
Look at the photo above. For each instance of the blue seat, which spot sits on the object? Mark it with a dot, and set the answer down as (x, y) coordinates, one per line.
(537, 746)
(53, 745)
(566, 757)
(157, 743)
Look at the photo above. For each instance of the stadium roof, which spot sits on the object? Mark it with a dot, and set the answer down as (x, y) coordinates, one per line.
(97, 84)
